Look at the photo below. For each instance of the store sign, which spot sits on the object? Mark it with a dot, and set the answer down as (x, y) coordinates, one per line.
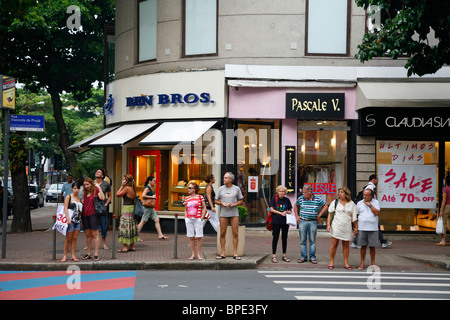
(323, 188)
(407, 186)
(407, 152)
(8, 92)
(315, 105)
(412, 122)
(169, 99)
(289, 177)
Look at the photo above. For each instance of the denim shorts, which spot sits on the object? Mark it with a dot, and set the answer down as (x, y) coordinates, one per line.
(73, 226)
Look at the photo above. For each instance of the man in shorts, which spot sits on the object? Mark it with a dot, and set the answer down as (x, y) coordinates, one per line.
(368, 210)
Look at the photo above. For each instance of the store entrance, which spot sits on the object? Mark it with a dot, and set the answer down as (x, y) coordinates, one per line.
(144, 163)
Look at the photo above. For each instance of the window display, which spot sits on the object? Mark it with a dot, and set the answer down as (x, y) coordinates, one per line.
(322, 157)
(181, 173)
(407, 188)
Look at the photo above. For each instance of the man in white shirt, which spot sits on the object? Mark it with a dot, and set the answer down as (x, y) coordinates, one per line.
(368, 211)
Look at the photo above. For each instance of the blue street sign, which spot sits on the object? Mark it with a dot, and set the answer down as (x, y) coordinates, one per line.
(26, 123)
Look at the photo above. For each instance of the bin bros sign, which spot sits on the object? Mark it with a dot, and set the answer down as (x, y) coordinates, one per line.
(167, 99)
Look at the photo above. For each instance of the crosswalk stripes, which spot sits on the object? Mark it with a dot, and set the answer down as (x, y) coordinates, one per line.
(361, 285)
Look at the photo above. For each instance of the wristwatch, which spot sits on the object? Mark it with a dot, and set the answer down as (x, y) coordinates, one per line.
(370, 206)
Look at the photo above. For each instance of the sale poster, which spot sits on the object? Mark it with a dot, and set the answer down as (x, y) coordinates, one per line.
(407, 186)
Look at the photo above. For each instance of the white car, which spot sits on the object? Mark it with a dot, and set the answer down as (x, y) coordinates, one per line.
(54, 192)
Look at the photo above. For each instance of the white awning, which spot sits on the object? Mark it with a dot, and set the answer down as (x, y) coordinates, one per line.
(402, 94)
(82, 146)
(123, 135)
(176, 132)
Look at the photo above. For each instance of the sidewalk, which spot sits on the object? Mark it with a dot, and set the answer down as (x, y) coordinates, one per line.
(34, 251)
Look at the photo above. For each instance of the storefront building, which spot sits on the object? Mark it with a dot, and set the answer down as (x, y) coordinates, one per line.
(403, 136)
(164, 125)
(311, 115)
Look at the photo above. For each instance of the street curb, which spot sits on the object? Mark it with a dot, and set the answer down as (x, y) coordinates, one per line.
(227, 264)
(442, 264)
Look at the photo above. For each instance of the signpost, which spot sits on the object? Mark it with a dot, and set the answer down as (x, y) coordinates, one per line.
(7, 102)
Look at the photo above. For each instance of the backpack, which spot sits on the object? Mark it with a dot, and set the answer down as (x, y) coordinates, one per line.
(359, 196)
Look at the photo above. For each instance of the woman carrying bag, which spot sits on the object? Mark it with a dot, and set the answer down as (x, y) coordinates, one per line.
(280, 206)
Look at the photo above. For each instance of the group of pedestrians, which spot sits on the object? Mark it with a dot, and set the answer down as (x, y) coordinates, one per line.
(80, 198)
(345, 220)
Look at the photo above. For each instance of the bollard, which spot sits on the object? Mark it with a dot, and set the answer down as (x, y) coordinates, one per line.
(113, 236)
(54, 239)
(175, 253)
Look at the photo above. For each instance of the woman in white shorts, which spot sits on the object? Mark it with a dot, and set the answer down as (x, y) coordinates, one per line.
(195, 210)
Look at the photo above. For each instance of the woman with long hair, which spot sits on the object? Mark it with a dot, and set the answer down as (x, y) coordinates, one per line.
(91, 221)
(128, 231)
(72, 202)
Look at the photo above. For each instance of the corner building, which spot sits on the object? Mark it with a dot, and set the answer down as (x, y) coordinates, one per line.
(269, 91)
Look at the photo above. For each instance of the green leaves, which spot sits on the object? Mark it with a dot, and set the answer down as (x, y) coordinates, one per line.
(417, 29)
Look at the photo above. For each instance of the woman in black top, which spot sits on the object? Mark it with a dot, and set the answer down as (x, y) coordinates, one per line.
(279, 207)
(210, 196)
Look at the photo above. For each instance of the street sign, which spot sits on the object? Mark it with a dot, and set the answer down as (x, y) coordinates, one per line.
(7, 92)
(27, 123)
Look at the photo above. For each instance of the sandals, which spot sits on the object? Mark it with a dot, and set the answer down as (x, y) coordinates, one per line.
(220, 257)
(163, 238)
(86, 257)
(285, 259)
(274, 260)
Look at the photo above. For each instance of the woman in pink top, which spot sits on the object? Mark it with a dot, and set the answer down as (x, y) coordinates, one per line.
(445, 209)
(194, 213)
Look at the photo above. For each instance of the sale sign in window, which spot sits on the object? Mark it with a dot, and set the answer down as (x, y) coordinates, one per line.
(407, 186)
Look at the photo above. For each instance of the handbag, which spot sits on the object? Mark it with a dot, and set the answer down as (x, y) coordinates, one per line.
(138, 208)
(333, 212)
(100, 208)
(207, 216)
(269, 217)
(148, 202)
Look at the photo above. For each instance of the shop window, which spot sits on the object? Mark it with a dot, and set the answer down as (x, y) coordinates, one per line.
(322, 157)
(200, 27)
(408, 188)
(145, 163)
(147, 32)
(320, 38)
(257, 167)
(186, 167)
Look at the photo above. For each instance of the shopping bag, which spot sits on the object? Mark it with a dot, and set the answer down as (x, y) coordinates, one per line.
(61, 220)
(290, 220)
(440, 226)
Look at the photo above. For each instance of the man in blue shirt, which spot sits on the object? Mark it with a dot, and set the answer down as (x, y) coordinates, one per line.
(307, 211)
(67, 188)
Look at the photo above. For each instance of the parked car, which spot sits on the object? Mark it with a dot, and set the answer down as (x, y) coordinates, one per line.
(36, 196)
(54, 192)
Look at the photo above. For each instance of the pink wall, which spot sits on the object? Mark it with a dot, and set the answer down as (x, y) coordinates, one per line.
(270, 103)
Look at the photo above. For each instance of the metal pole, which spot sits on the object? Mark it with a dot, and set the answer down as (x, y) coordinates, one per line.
(113, 235)
(5, 182)
(54, 239)
(175, 249)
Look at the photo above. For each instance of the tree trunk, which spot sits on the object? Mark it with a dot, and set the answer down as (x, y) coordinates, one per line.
(22, 218)
(62, 129)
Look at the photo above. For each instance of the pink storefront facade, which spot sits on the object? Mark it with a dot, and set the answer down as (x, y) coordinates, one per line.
(298, 135)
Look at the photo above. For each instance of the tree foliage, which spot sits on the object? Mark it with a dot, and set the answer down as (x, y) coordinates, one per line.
(42, 49)
(417, 29)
